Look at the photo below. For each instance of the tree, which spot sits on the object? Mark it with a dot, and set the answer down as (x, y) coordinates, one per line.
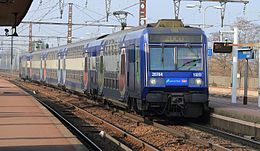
(249, 33)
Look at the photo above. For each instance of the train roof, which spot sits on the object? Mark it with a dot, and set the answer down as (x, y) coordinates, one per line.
(163, 26)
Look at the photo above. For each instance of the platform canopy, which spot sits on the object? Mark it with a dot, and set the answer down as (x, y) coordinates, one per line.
(13, 11)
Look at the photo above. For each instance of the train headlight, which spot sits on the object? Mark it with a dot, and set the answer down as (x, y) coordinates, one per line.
(198, 81)
(157, 82)
(153, 81)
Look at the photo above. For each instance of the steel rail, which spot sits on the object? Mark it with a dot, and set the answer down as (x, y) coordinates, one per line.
(233, 137)
(90, 142)
(81, 134)
(144, 145)
(174, 132)
(86, 139)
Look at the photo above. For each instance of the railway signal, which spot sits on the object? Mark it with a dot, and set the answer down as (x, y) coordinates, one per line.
(222, 47)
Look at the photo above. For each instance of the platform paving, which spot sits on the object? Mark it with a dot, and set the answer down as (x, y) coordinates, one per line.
(26, 125)
(237, 118)
(223, 106)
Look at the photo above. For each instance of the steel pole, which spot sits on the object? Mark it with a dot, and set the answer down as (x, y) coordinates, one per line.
(234, 79)
(6, 62)
(245, 82)
(204, 17)
(12, 49)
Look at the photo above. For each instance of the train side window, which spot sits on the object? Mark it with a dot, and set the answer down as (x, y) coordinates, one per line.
(101, 64)
(122, 64)
(137, 49)
(117, 84)
(131, 54)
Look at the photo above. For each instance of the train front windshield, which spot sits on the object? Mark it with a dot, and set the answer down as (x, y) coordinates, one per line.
(176, 59)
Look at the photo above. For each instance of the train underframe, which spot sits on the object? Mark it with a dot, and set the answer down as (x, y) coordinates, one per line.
(188, 105)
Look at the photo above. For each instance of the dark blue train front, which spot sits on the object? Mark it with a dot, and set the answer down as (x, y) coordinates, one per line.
(174, 79)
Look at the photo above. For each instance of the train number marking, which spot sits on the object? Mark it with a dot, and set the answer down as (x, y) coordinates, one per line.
(157, 74)
(199, 74)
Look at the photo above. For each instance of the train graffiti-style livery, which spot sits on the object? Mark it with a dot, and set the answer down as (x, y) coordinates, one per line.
(160, 68)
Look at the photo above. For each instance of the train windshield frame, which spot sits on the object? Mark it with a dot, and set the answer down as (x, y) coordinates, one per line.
(175, 58)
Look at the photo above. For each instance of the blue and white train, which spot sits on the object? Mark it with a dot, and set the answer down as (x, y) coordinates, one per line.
(160, 68)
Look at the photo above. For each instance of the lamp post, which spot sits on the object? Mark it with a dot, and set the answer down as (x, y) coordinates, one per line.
(204, 11)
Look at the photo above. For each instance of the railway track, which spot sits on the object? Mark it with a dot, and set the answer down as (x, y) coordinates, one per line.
(90, 145)
(120, 137)
(85, 139)
(183, 137)
(139, 144)
(235, 138)
(201, 128)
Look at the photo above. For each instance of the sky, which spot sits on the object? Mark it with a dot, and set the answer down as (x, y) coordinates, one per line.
(93, 10)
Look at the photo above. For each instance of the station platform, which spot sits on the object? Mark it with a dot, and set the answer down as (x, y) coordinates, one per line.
(238, 118)
(220, 102)
(223, 106)
(26, 125)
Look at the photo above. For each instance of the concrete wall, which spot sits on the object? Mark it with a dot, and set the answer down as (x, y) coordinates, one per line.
(222, 81)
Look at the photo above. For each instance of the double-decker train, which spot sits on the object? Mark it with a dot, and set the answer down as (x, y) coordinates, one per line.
(159, 68)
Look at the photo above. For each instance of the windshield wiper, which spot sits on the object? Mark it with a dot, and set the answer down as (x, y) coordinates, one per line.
(192, 61)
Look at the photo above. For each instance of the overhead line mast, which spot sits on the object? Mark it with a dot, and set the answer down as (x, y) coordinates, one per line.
(61, 5)
(108, 8)
(69, 39)
(222, 3)
(142, 13)
(176, 8)
(30, 37)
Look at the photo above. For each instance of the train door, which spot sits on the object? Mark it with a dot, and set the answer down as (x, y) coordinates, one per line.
(90, 70)
(96, 72)
(59, 69)
(122, 72)
(24, 68)
(41, 69)
(131, 68)
(137, 69)
(101, 74)
(93, 62)
(28, 66)
(44, 68)
(86, 73)
(63, 70)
